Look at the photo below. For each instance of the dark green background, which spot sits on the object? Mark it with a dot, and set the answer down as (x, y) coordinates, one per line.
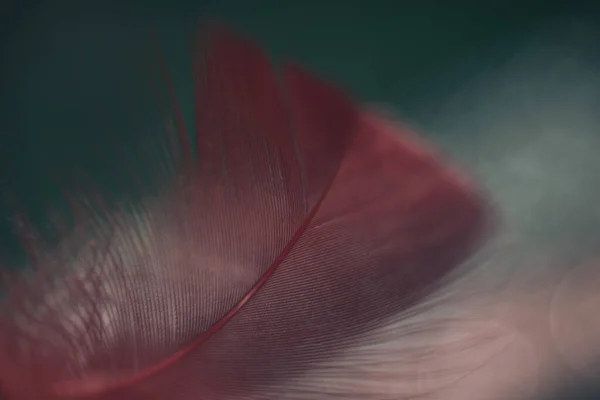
(62, 61)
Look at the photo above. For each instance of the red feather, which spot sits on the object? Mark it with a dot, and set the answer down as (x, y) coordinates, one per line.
(300, 224)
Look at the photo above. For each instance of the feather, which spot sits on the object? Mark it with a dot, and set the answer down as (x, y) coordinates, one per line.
(292, 226)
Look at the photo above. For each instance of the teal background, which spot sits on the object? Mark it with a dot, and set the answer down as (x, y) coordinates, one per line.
(62, 61)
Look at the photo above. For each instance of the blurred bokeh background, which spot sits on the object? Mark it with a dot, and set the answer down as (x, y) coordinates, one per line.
(508, 89)
(469, 74)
